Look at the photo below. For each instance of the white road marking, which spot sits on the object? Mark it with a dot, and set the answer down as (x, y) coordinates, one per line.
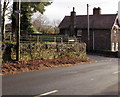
(92, 79)
(105, 60)
(47, 93)
(116, 72)
(1, 74)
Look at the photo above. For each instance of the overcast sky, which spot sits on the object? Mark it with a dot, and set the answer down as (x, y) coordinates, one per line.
(59, 8)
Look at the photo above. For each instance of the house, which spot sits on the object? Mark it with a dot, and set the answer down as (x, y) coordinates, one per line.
(8, 27)
(103, 29)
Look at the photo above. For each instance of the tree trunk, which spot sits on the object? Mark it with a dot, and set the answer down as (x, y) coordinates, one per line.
(7, 52)
(3, 19)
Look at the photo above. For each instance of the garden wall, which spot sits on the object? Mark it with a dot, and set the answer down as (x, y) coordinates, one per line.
(49, 50)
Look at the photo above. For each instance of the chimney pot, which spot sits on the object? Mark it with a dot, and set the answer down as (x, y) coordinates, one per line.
(72, 22)
(73, 9)
(96, 11)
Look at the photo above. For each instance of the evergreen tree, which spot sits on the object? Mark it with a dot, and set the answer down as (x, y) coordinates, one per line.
(27, 10)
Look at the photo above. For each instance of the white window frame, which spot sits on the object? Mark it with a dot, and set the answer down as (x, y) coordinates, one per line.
(113, 46)
(117, 46)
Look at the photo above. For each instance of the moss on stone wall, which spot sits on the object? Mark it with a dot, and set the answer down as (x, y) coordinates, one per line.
(50, 51)
(33, 51)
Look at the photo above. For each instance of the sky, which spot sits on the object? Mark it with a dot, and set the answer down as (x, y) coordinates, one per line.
(61, 8)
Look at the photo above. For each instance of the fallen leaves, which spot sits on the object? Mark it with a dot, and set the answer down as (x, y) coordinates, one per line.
(12, 67)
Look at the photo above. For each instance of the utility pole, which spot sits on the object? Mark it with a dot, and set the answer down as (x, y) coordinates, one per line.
(18, 31)
(93, 40)
(88, 28)
(14, 20)
(119, 29)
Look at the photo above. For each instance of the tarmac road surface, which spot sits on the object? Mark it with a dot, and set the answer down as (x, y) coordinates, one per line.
(98, 78)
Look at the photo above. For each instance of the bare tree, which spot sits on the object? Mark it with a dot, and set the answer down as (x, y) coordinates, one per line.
(40, 22)
(37, 24)
(55, 24)
(4, 9)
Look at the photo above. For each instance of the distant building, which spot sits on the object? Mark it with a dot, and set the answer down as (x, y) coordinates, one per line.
(8, 28)
(103, 29)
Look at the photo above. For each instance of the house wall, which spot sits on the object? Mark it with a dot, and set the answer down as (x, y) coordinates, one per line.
(102, 39)
(99, 39)
(64, 32)
(114, 39)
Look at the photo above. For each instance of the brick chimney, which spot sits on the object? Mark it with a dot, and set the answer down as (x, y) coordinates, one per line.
(96, 11)
(72, 22)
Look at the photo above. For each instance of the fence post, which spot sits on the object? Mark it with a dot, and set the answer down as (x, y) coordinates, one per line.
(55, 39)
(30, 44)
(68, 39)
(37, 39)
(61, 40)
(41, 39)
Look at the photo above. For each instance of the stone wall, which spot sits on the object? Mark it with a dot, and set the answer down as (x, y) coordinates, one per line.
(35, 51)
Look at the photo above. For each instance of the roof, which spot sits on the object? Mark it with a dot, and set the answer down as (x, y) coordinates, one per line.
(103, 21)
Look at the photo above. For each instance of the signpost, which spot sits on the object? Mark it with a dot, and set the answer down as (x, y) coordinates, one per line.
(17, 11)
(18, 31)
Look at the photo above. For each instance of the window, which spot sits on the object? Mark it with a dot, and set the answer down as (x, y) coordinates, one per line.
(116, 46)
(79, 33)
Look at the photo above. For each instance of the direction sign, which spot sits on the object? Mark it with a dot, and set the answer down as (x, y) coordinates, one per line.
(17, 11)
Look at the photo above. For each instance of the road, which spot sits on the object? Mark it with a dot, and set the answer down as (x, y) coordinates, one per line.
(98, 78)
